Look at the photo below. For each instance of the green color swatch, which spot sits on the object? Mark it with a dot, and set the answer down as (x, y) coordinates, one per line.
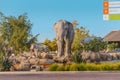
(114, 16)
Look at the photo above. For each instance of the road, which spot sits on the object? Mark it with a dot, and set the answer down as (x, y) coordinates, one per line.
(60, 75)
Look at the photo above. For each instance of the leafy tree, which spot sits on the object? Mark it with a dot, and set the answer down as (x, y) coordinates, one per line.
(95, 45)
(52, 45)
(112, 46)
(46, 41)
(80, 33)
(16, 32)
(75, 23)
(6, 64)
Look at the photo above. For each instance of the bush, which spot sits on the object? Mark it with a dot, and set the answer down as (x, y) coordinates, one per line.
(6, 64)
(67, 67)
(117, 66)
(86, 67)
(76, 57)
(81, 67)
(106, 66)
(1, 58)
(74, 67)
(60, 68)
(112, 46)
(110, 66)
(53, 67)
(93, 67)
(0, 62)
(95, 45)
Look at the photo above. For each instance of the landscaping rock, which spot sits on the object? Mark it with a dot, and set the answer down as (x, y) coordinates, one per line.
(33, 61)
(95, 57)
(35, 68)
(46, 55)
(91, 56)
(103, 56)
(39, 47)
(113, 55)
(109, 58)
(46, 61)
(22, 66)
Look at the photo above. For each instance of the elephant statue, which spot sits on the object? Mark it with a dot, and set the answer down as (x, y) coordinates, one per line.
(64, 35)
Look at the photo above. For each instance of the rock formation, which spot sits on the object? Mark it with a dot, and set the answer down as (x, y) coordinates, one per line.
(28, 61)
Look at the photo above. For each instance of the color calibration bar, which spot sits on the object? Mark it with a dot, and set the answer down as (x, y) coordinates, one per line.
(111, 10)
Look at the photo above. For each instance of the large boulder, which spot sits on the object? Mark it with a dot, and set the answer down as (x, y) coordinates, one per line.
(85, 56)
(91, 56)
(45, 55)
(109, 58)
(39, 47)
(105, 57)
(118, 55)
(114, 56)
(95, 57)
(21, 58)
(29, 60)
(27, 54)
(60, 59)
(34, 61)
(46, 61)
(12, 58)
(25, 66)
(22, 66)
(35, 68)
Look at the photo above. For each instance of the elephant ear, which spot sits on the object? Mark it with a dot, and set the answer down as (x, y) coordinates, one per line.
(56, 26)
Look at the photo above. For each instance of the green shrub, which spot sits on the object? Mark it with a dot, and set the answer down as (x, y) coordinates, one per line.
(53, 67)
(0, 62)
(106, 66)
(90, 67)
(117, 66)
(60, 68)
(1, 58)
(67, 67)
(74, 67)
(94, 45)
(112, 46)
(86, 67)
(6, 64)
(76, 58)
(93, 67)
(82, 67)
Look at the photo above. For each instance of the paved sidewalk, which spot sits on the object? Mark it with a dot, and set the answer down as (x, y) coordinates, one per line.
(82, 75)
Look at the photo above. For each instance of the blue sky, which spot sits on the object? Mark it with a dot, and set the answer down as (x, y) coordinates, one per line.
(44, 13)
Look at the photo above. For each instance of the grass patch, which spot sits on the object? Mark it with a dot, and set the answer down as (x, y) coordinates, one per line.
(60, 68)
(86, 67)
(53, 67)
(73, 67)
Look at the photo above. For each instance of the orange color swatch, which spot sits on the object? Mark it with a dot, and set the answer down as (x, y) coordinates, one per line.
(106, 4)
(106, 11)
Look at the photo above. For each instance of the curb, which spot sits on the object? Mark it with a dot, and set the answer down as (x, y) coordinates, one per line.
(57, 72)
